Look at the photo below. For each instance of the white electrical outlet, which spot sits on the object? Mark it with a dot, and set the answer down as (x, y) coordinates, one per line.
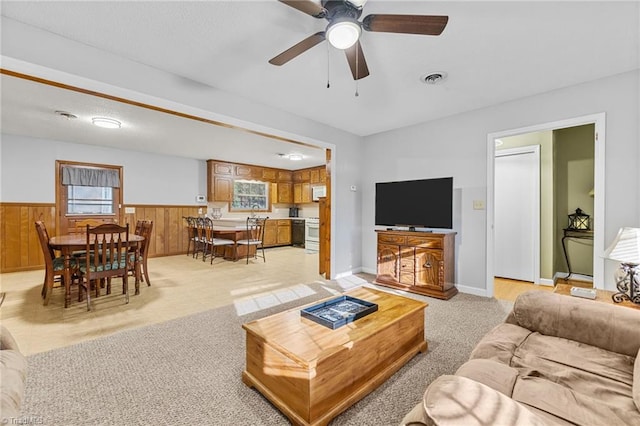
(129, 210)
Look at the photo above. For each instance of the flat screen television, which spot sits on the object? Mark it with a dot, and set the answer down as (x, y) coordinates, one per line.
(424, 203)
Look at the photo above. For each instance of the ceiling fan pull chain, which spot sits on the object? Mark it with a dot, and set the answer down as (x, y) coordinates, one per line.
(328, 67)
(357, 54)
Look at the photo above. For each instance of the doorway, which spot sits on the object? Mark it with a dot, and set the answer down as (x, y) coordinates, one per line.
(598, 219)
(517, 213)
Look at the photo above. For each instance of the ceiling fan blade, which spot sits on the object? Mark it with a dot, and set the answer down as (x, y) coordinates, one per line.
(407, 24)
(359, 68)
(307, 6)
(297, 49)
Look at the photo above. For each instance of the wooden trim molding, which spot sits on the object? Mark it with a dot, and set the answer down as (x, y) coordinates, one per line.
(147, 106)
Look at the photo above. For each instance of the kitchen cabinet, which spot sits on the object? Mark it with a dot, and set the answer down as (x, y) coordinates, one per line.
(270, 175)
(285, 192)
(219, 181)
(297, 193)
(301, 193)
(222, 189)
(287, 186)
(314, 175)
(417, 262)
(306, 192)
(284, 232)
(277, 232)
(270, 233)
(285, 176)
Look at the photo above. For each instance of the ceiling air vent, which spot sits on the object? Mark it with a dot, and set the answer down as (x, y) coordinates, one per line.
(433, 78)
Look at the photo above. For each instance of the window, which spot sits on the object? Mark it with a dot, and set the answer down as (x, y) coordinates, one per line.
(89, 200)
(250, 195)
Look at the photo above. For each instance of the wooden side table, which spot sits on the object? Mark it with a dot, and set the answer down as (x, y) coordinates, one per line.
(601, 296)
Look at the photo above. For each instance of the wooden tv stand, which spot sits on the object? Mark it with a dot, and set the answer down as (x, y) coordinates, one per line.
(419, 262)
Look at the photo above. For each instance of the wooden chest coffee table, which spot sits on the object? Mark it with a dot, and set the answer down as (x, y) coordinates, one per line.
(312, 373)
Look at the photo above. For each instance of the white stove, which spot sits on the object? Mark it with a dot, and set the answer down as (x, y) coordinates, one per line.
(312, 234)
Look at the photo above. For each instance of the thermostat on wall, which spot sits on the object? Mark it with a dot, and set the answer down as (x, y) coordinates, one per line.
(200, 198)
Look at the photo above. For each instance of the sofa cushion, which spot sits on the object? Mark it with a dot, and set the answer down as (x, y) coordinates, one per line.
(604, 325)
(492, 373)
(457, 400)
(500, 343)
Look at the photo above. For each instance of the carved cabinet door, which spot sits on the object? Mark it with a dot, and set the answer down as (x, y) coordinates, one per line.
(388, 262)
(429, 268)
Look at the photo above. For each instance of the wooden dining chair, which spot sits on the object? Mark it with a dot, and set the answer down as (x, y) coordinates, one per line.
(54, 265)
(199, 237)
(254, 237)
(108, 245)
(191, 233)
(211, 242)
(144, 229)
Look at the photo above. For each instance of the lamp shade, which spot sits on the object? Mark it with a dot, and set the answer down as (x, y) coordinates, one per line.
(625, 247)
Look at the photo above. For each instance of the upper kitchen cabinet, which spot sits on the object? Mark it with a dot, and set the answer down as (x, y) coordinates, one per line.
(285, 176)
(285, 192)
(286, 186)
(219, 181)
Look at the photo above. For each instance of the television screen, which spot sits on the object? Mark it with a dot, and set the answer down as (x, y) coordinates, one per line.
(425, 203)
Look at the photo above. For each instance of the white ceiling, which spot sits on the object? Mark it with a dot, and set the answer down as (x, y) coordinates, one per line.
(493, 52)
(28, 109)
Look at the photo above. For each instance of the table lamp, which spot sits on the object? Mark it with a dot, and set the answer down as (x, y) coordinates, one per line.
(626, 250)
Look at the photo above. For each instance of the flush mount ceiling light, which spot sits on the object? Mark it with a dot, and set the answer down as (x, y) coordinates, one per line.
(295, 157)
(343, 33)
(107, 123)
(434, 77)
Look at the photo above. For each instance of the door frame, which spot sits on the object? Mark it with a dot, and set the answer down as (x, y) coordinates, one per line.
(599, 122)
(535, 226)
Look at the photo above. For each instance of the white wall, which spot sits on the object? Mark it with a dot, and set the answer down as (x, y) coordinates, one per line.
(457, 146)
(31, 51)
(148, 178)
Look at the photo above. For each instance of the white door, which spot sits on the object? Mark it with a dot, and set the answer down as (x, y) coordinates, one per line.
(517, 213)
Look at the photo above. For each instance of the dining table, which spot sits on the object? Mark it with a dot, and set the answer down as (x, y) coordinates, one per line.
(69, 243)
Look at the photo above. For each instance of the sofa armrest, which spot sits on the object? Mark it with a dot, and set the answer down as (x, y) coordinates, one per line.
(456, 400)
(604, 325)
(13, 370)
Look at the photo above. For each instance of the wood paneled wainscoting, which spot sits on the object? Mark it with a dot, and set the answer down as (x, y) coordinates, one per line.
(19, 245)
(169, 236)
(20, 249)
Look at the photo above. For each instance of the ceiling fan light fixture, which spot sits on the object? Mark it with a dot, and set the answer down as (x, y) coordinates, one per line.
(107, 123)
(343, 33)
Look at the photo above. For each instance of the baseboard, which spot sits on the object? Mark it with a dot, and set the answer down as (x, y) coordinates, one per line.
(472, 290)
(547, 282)
(348, 273)
(559, 277)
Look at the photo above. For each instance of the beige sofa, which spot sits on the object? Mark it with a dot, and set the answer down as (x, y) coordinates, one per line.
(13, 368)
(555, 360)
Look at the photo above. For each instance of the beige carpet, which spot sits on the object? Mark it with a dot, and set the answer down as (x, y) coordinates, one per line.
(188, 371)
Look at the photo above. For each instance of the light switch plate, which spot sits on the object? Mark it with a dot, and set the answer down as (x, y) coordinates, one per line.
(478, 204)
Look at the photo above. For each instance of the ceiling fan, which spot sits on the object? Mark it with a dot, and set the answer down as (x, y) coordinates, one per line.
(344, 29)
